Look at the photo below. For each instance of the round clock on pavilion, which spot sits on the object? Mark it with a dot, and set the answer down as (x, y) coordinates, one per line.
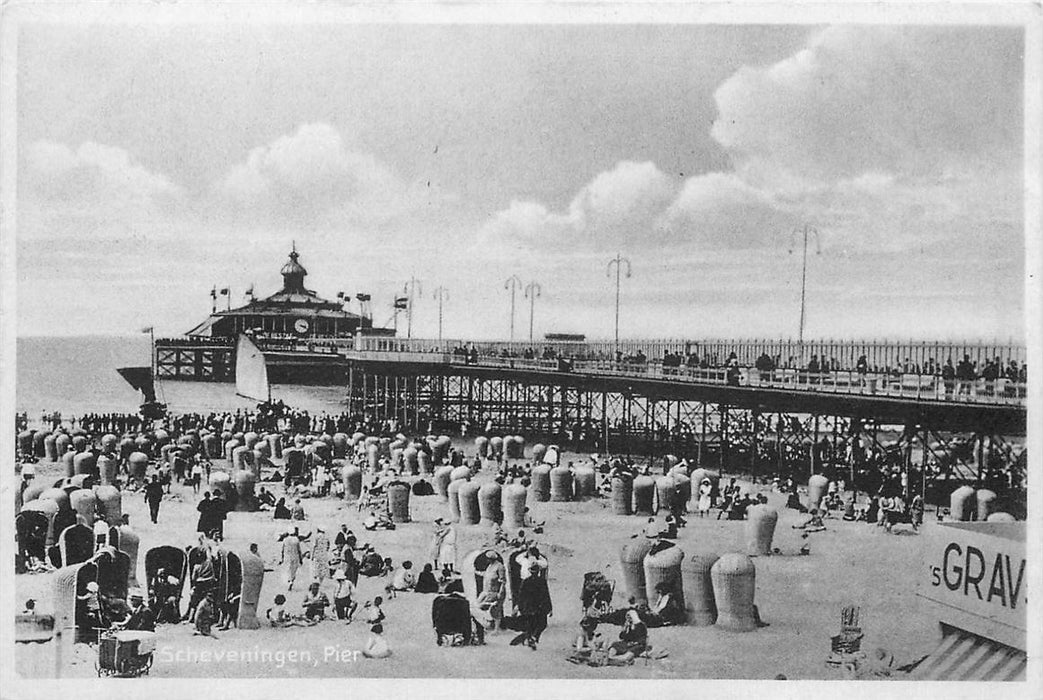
(301, 325)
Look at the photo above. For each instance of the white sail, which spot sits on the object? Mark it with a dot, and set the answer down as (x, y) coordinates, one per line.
(251, 371)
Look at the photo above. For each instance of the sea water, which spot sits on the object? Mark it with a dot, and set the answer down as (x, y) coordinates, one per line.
(77, 375)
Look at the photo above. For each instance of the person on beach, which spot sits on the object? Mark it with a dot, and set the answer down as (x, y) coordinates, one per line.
(534, 607)
(297, 511)
(813, 523)
(404, 578)
(140, 616)
(197, 475)
(320, 556)
(587, 643)
(443, 545)
(376, 646)
(153, 497)
(203, 580)
(705, 493)
(291, 558)
(372, 612)
(205, 507)
(219, 514)
(315, 603)
(92, 606)
(342, 536)
(667, 610)
(426, 582)
(205, 616)
(632, 642)
(343, 596)
(281, 511)
(494, 589)
(277, 615)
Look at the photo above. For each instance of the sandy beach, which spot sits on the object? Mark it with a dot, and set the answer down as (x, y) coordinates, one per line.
(801, 597)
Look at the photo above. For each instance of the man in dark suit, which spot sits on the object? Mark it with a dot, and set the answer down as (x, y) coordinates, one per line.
(141, 616)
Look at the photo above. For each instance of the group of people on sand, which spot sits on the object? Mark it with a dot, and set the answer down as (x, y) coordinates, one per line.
(634, 619)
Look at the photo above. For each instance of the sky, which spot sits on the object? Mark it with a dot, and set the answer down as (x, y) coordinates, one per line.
(158, 161)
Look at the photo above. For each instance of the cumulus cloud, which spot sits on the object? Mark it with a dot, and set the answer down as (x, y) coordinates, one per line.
(911, 100)
(720, 210)
(616, 206)
(95, 192)
(314, 175)
(885, 138)
(93, 172)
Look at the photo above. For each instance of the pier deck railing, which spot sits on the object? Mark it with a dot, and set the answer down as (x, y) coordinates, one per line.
(905, 386)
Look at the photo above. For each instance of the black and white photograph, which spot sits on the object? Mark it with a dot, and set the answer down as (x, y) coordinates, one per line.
(512, 344)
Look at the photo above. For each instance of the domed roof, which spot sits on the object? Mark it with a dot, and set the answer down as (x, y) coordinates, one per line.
(292, 267)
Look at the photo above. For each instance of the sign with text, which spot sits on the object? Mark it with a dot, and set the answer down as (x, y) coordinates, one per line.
(977, 572)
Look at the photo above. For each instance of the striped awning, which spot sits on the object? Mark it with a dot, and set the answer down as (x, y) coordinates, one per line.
(963, 656)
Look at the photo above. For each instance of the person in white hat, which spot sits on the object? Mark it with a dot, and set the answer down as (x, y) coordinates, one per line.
(141, 616)
(92, 604)
(343, 596)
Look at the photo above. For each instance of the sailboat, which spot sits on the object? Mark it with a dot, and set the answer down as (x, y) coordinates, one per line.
(251, 371)
(144, 380)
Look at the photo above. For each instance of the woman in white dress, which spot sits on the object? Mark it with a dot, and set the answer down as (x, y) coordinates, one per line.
(705, 489)
(447, 549)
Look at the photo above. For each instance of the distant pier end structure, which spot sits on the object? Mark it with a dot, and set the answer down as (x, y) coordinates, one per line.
(301, 334)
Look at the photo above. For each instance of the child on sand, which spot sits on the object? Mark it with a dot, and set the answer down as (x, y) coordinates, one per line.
(376, 646)
(277, 614)
(372, 612)
(588, 644)
(812, 524)
(205, 616)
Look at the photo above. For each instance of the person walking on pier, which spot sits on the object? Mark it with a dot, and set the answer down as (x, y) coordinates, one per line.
(965, 374)
(949, 378)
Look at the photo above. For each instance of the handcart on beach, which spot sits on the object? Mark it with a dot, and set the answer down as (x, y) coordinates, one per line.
(124, 653)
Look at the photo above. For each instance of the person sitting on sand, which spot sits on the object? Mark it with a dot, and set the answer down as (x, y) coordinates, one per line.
(297, 512)
(265, 499)
(205, 616)
(793, 501)
(281, 511)
(277, 614)
(653, 529)
(588, 642)
(849, 511)
(166, 597)
(378, 522)
(667, 609)
(376, 646)
(371, 563)
(670, 529)
(426, 581)
(916, 509)
(315, 603)
(404, 579)
(740, 504)
(812, 524)
(633, 641)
